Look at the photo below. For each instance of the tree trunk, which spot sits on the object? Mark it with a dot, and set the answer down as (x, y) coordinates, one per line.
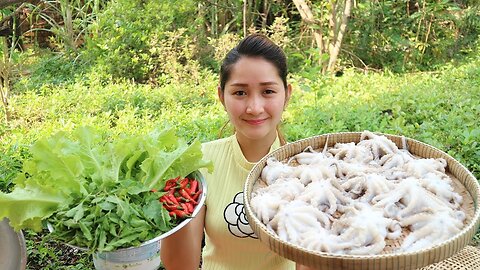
(337, 42)
(4, 89)
(266, 10)
(5, 104)
(5, 70)
(215, 19)
(68, 25)
(245, 10)
(307, 17)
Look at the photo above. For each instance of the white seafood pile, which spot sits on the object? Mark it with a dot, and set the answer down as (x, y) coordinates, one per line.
(351, 198)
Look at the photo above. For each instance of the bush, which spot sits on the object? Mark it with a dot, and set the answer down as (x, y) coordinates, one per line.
(404, 36)
(135, 39)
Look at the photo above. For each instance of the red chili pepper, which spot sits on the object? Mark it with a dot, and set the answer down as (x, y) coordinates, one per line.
(189, 206)
(171, 207)
(193, 186)
(166, 200)
(185, 208)
(178, 213)
(171, 183)
(185, 194)
(172, 198)
(183, 183)
(163, 199)
(195, 196)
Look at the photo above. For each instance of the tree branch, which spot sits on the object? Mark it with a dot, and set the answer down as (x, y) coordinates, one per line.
(245, 18)
(338, 41)
(307, 17)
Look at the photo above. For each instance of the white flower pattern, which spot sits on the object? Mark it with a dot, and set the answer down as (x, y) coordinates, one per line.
(236, 218)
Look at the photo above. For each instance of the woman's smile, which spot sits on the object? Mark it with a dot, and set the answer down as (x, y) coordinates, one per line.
(256, 122)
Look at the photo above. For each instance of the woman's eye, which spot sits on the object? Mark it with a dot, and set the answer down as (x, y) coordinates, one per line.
(269, 91)
(239, 93)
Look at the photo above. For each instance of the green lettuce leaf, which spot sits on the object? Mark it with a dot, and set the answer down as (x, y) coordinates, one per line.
(26, 208)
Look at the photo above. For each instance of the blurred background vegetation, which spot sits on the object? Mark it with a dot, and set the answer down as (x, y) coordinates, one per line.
(402, 67)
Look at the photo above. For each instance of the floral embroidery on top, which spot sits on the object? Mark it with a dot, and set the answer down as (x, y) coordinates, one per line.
(236, 218)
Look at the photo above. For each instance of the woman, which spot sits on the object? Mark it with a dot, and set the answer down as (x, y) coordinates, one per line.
(254, 92)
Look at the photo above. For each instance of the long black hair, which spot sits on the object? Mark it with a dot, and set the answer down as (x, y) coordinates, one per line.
(255, 45)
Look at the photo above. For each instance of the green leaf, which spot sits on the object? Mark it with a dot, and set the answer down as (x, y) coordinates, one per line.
(123, 210)
(156, 212)
(127, 239)
(107, 206)
(80, 213)
(26, 208)
(102, 239)
(134, 187)
(85, 230)
(166, 165)
(62, 154)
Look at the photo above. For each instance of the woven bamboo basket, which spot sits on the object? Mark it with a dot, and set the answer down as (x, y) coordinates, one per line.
(465, 184)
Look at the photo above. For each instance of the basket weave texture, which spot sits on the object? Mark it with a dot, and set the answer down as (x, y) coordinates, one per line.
(467, 259)
(391, 261)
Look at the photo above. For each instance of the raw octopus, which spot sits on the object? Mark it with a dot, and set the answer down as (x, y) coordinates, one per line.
(352, 197)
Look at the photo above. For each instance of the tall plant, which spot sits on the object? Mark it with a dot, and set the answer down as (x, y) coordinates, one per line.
(7, 66)
(328, 21)
(68, 20)
(5, 71)
(411, 35)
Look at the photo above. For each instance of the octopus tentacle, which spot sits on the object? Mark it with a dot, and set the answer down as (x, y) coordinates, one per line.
(325, 195)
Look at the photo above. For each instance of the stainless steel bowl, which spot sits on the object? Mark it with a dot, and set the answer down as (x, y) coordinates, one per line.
(13, 254)
(147, 255)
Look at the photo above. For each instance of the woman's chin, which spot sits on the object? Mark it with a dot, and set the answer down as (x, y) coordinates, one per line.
(258, 134)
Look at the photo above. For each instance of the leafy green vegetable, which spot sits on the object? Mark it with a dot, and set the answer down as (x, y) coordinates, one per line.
(95, 191)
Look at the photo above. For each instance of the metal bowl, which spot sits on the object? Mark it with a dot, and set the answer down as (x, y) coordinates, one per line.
(147, 255)
(13, 254)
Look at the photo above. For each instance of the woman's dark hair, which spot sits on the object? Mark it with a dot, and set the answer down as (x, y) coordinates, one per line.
(255, 45)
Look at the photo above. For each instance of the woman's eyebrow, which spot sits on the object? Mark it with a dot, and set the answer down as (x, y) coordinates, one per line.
(239, 84)
(262, 83)
(268, 83)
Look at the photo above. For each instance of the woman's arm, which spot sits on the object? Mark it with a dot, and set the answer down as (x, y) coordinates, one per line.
(182, 250)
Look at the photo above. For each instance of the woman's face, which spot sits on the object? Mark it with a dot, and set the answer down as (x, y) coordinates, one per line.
(254, 98)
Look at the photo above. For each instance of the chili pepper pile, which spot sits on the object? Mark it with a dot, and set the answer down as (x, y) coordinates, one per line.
(181, 197)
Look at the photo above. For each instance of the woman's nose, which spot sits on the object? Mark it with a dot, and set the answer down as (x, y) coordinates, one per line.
(254, 105)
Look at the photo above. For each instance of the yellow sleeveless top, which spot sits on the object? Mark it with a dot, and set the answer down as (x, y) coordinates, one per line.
(230, 243)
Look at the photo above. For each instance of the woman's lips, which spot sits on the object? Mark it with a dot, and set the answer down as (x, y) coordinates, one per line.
(255, 122)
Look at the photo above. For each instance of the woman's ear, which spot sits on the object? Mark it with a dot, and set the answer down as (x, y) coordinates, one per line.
(221, 95)
(288, 94)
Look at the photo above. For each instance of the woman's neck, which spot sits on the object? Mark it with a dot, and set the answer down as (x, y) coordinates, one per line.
(254, 150)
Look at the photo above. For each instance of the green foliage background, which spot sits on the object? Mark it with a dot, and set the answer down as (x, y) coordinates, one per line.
(147, 64)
